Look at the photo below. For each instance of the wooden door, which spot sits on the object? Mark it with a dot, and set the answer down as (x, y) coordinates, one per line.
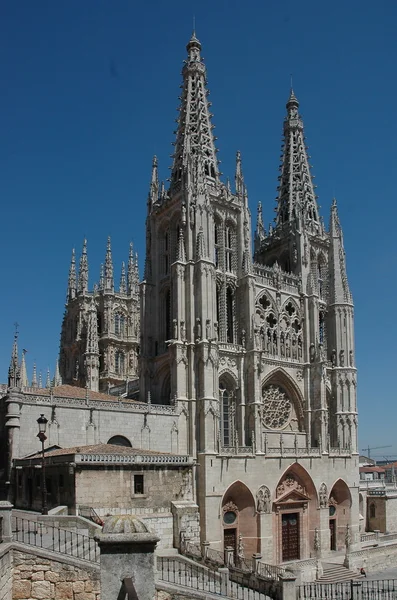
(230, 539)
(290, 536)
(332, 530)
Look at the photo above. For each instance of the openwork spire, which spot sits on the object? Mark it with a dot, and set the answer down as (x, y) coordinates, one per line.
(83, 271)
(339, 291)
(48, 379)
(123, 285)
(238, 178)
(72, 282)
(14, 370)
(194, 133)
(108, 271)
(296, 200)
(92, 346)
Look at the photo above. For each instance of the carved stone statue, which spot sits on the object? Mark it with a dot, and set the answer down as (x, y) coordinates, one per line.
(351, 360)
(333, 357)
(342, 358)
(175, 324)
(323, 496)
(243, 338)
(198, 328)
(216, 331)
(208, 329)
(263, 504)
(240, 547)
(183, 331)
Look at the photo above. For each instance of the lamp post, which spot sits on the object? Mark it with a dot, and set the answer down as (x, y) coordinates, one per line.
(42, 421)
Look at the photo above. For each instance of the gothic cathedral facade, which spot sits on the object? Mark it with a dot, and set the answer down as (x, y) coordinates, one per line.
(254, 351)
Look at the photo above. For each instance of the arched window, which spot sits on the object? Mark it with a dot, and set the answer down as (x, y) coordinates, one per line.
(372, 511)
(119, 362)
(229, 314)
(229, 248)
(217, 245)
(119, 324)
(321, 327)
(120, 440)
(167, 315)
(228, 412)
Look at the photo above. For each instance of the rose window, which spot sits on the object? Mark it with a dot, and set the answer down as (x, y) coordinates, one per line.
(277, 407)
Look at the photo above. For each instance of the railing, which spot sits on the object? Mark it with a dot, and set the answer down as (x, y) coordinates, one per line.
(197, 577)
(349, 590)
(215, 557)
(368, 537)
(56, 539)
(272, 572)
(89, 513)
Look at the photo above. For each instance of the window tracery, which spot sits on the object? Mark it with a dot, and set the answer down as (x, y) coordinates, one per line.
(227, 401)
(277, 407)
(279, 334)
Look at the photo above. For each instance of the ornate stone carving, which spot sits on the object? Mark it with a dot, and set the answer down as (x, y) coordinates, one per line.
(263, 503)
(323, 496)
(289, 484)
(277, 407)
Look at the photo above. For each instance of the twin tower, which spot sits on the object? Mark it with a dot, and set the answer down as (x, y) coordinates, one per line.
(248, 343)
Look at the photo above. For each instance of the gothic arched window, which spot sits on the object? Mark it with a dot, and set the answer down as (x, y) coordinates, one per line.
(119, 361)
(229, 235)
(217, 244)
(119, 324)
(228, 413)
(230, 316)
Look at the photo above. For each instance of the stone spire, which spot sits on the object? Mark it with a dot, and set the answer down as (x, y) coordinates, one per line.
(23, 371)
(194, 132)
(260, 232)
(14, 374)
(92, 349)
(48, 379)
(72, 282)
(57, 377)
(238, 178)
(34, 376)
(83, 271)
(123, 285)
(40, 380)
(339, 291)
(102, 277)
(133, 274)
(108, 272)
(154, 184)
(296, 201)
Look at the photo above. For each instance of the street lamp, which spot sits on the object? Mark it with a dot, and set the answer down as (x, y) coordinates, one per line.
(42, 421)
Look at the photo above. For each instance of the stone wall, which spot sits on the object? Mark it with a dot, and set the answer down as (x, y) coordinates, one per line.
(41, 578)
(5, 572)
(373, 559)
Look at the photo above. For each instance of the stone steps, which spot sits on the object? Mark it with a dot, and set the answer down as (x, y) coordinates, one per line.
(335, 573)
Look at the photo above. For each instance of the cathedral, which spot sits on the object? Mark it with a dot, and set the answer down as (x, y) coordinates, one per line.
(239, 346)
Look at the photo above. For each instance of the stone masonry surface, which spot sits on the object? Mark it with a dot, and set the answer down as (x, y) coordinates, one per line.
(5, 572)
(37, 578)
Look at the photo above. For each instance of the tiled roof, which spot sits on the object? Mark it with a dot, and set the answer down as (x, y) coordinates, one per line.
(71, 391)
(99, 449)
(372, 469)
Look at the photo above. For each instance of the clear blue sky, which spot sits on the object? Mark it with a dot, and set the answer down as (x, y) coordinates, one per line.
(89, 94)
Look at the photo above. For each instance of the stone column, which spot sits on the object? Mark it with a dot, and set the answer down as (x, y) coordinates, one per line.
(5, 520)
(288, 586)
(266, 537)
(127, 555)
(325, 536)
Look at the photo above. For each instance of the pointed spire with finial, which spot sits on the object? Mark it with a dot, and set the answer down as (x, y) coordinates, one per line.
(108, 273)
(339, 290)
(48, 379)
(102, 277)
(34, 376)
(154, 184)
(123, 285)
(260, 232)
(72, 281)
(40, 380)
(131, 270)
(239, 179)
(57, 377)
(23, 371)
(194, 135)
(83, 270)
(296, 200)
(14, 378)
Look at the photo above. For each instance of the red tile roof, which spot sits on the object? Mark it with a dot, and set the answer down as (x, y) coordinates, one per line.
(71, 391)
(372, 470)
(98, 449)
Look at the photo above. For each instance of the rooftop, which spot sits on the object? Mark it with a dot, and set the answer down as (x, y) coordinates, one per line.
(71, 391)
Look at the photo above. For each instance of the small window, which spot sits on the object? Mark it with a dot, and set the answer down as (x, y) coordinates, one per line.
(138, 484)
(372, 511)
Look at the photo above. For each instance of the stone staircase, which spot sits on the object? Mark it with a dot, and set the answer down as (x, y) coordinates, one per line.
(333, 573)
